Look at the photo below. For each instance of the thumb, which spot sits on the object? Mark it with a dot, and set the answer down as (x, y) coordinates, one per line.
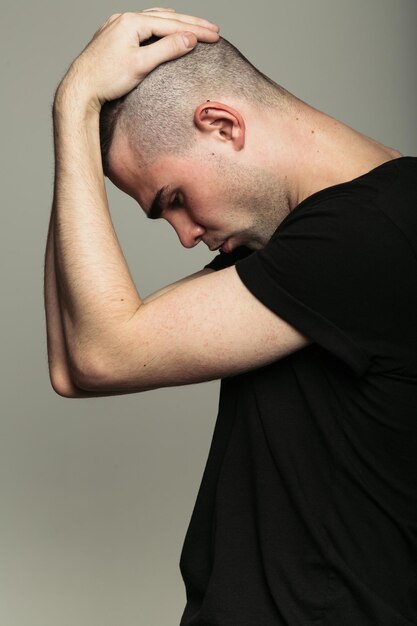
(166, 49)
(189, 39)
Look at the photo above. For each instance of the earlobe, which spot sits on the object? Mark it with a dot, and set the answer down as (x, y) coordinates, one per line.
(222, 122)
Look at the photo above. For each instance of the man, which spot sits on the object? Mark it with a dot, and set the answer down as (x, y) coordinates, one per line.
(307, 508)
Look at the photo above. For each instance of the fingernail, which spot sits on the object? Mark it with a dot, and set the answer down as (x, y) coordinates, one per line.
(189, 39)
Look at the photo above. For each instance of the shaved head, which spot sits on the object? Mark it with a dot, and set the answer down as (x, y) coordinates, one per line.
(157, 117)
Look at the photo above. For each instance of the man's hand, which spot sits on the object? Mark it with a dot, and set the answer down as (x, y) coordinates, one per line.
(113, 63)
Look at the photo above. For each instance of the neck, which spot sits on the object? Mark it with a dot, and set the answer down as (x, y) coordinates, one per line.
(314, 151)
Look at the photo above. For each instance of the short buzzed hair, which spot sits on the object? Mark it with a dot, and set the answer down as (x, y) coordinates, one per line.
(158, 115)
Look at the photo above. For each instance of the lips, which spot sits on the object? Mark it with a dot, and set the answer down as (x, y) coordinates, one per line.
(224, 247)
(213, 248)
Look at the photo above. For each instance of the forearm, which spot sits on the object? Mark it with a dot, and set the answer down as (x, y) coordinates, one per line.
(60, 371)
(96, 291)
(59, 366)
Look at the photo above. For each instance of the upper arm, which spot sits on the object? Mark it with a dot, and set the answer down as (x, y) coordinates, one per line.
(182, 281)
(207, 328)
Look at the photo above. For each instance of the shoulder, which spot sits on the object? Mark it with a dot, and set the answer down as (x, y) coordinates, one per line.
(360, 205)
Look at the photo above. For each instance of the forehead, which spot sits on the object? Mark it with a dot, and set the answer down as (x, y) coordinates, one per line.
(124, 168)
(141, 181)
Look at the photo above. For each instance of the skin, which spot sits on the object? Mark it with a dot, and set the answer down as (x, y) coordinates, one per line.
(235, 188)
(219, 203)
(226, 192)
(246, 173)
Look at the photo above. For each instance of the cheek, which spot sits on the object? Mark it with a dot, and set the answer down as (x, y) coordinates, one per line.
(210, 216)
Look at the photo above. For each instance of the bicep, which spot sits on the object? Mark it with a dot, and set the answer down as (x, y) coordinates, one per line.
(207, 328)
(176, 284)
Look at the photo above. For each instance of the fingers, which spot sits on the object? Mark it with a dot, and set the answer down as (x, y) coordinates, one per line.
(166, 49)
(114, 62)
(162, 27)
(159, 9)
(187, 19)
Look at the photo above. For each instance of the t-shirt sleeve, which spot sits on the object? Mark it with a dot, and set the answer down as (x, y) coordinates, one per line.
(339, 273)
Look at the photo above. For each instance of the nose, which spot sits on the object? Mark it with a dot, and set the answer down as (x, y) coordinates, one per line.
(189, 232)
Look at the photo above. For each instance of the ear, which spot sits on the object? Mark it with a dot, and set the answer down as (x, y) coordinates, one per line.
(224, 122)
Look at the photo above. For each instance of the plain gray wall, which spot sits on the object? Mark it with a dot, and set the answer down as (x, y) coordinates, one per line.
(96, 495)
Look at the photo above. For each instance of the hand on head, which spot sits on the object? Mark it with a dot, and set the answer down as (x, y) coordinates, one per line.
(113, 62)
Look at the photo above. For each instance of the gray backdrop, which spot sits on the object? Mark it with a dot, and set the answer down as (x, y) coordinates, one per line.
(96, 495)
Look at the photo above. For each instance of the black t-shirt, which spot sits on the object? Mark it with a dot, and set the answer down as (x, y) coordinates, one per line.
(307, 510)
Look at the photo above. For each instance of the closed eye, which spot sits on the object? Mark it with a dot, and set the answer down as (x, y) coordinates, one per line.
(177, 200)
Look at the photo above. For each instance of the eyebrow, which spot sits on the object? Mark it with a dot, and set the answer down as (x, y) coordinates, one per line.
(157, 205)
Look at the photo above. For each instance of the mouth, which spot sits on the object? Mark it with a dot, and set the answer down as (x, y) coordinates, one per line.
(213, 248)
(225, 246)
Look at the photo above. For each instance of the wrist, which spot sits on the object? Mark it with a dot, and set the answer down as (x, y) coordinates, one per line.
(73, 99)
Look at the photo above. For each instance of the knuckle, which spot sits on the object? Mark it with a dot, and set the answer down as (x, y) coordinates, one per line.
(111, 19)
(127, 16)
(176, 44)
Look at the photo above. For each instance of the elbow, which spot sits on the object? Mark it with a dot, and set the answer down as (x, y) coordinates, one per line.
(106, 371)
(63, 385)
(67, 380)
(88, 372)
(94, 372)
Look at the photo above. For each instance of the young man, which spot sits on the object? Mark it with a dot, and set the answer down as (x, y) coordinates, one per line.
(306, 512)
